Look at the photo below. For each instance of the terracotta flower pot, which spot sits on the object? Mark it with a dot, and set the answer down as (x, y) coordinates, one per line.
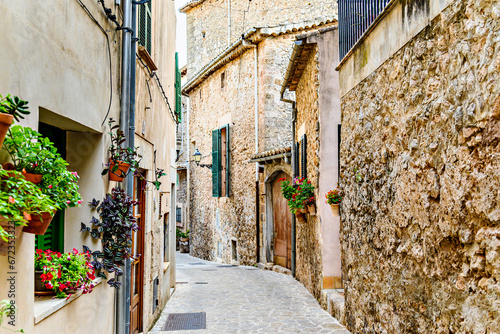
(120, 173)
(185, 239)
(5, 123)
(8, 166)
(38, 224)
(4, 245)
(40, 288)
(33, 178)
(301, 218)
(335, 209)
(304, 210)
(312, 209)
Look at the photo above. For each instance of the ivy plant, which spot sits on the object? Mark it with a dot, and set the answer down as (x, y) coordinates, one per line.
(114, 228)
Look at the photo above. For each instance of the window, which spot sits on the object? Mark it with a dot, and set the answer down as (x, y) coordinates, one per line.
(166, 241)
(53, 239)
(145, 26)
(220, 162)
(178, 215)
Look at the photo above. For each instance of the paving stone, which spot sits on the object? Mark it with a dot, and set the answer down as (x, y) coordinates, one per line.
(238, 300)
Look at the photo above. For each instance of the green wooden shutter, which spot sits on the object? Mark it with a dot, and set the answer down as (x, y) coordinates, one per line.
(178, 97)
(227, 157)
(53, 238)
(216, 180)
(145, 26)
(303, 149)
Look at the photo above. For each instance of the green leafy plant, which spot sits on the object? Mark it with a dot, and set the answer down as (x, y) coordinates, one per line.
(67, 271)
(118, 153)
(179, 234)
(19, 199)
(114, 229)
(333, 197)
(358, 178)
(299, 195)
(158, 174)
(14, 106)
(32, 153)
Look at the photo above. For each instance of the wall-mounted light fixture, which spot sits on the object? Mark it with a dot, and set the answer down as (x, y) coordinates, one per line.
(197, 158)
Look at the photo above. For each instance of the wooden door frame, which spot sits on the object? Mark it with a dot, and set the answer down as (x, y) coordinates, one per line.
(140, 249)
(269, 231)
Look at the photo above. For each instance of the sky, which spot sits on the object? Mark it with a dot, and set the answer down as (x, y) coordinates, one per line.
(180, 43)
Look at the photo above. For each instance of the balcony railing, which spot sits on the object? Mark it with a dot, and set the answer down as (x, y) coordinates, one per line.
(355, 16)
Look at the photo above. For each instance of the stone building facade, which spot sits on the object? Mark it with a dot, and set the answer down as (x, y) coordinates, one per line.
(420, 171)
(68, 84)
(236, 81)
(316, 127)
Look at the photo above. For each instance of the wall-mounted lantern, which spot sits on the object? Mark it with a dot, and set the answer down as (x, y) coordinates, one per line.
(197, 158)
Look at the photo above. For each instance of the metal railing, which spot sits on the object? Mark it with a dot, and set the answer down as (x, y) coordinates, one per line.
(355, 16)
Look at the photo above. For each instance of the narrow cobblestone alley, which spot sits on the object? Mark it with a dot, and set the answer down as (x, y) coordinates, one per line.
(240, 299)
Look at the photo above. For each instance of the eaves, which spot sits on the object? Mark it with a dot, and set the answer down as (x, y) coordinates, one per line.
(190, 5)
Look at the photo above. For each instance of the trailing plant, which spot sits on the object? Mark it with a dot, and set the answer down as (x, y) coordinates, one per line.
(14, 106)
(158, 174)
(179, 234)
(118, 153)
(32, 153)
(333, 197)
(114, 229)
(67, 271)
(19, 199)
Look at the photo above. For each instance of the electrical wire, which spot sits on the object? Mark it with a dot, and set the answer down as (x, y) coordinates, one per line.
(109, 55)
(155, 76)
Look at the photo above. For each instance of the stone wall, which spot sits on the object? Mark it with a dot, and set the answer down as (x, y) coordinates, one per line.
(420, 172)
(207, 23)
(308, 235)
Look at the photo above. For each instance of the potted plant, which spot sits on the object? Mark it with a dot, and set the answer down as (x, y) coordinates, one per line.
(11, 107)
(38, 160)
(114, 229)
(300, 197)
(20, 201)
(122, 160)
(63, 274)
(334, 198)
(305, 191)
(184, 241)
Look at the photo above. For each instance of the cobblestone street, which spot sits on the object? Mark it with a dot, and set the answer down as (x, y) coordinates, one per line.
(239, 299)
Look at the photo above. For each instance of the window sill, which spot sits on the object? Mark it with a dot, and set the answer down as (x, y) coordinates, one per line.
(146, 57)
(47, 305)
(165, 266)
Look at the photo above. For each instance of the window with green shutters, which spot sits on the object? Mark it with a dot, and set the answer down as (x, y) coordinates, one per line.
(145, 26)
(178, 97)
(221, 162)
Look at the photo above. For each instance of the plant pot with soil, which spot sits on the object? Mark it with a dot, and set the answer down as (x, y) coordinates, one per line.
(301, 218)
(11, 107)
(122, 160)
(333, 198)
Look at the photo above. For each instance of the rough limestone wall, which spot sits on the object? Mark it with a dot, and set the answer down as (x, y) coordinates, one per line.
(207, 24)
(182, 186)
(308, 237)
(211, 109)
(421, 175)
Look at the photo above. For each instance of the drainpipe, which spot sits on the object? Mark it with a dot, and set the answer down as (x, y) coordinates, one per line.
(123, 294)
(256, 112)
(294, 222)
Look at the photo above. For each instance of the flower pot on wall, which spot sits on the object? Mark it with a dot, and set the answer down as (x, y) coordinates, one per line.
(184, 245)
(312, 209)
(33, 178)
(122, 170)
(38, 224)
(40, 288)
(5, 123)
(304, 210)
(4, 245)
(335, 209)
(301, 218)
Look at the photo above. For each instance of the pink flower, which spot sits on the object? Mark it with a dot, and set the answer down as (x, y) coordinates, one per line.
(50, 186)
(75, 174)
(68, 258)
(68, 202)
(79, 202)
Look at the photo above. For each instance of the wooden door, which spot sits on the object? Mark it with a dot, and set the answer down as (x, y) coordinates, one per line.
(282, 219)
(137, 265)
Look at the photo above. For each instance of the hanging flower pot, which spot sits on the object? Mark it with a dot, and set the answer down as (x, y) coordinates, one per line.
(335, 209)
(33, 178)
(4, 245)
(312, 209)
(300, 217)
(303, 210)
(120, 173)
(38, 224)
(5, 123)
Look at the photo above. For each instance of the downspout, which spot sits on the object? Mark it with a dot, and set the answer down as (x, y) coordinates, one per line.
(256, 112)
(294, 221)
(123, 295)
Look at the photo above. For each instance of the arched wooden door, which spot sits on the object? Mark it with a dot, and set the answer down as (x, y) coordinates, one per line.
(282, 221)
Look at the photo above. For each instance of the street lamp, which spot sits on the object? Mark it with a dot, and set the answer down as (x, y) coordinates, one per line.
(197, 158)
